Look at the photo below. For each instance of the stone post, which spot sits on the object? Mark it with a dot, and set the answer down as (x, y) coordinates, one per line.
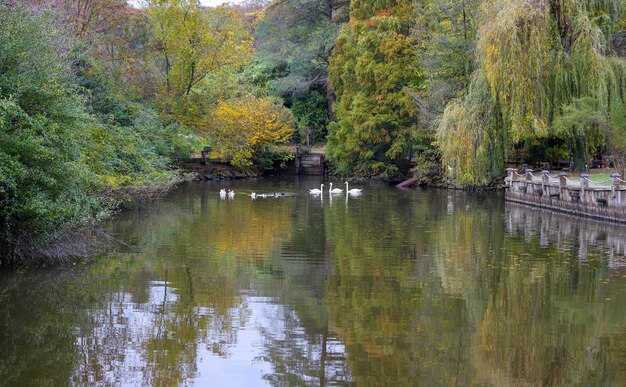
(614, 184)
(509, 179)
(297, 159)
(562, 180)
(545, 179)
(205, 151)
(584, 183)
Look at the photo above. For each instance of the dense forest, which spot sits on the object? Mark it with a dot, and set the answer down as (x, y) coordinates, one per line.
(99, 97)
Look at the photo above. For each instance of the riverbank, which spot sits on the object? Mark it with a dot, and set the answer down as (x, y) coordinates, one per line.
(81, 241)
(216, 171)
(133, 195)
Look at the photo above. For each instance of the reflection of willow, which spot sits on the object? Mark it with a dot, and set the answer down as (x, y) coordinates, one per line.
(184, 284)
(300, 355)
(157, 339)
(373, 289)
(539, 311)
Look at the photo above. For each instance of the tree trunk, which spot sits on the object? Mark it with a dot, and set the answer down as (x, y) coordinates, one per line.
(330, 95)
(564, 26)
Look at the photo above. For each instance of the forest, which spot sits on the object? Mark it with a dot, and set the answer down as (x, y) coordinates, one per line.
(101, 97)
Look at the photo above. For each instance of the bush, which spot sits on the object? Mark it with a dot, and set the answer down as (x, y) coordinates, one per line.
(43, 182)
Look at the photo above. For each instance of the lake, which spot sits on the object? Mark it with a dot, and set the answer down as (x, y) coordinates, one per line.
(393, 287)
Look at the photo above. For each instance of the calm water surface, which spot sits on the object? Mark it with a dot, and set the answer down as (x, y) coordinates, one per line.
(389, 288)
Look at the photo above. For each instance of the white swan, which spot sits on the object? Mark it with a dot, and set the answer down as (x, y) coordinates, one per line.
(316, 191)
(231, 194)
(253, 195)
(222, 193)
(353, 191)
(334, 191)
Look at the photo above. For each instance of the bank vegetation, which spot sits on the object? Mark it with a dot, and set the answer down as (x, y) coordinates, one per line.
(100, 98)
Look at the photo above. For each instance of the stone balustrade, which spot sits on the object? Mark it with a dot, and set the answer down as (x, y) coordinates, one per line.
(579, 196)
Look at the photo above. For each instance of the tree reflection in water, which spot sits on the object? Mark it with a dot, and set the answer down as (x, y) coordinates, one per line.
(390, 288)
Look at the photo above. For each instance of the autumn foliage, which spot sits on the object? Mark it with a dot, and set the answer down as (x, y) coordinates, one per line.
(247, 127)
(375, 73)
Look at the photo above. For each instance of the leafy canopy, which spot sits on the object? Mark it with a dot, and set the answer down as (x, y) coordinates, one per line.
(538, 65)
(193, 44)
(375, 73)
(43, 182)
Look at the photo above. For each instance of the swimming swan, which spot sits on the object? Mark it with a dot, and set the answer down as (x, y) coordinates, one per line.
(353, 190)
(316, 191)
(231, 194)
(336, 190)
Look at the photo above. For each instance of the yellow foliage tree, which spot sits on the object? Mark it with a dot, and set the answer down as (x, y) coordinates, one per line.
(194, 46)
(247, 127)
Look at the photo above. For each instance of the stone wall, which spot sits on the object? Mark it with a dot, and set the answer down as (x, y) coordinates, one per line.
(605, 203)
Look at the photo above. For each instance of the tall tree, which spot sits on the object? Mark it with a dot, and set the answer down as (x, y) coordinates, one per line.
(448, 30)
(193, 44)
(375, 72)
(294, 41)
(541, 67)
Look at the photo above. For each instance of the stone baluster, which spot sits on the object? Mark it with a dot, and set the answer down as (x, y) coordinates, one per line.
(584, 183)
(562, 180)
(545, 180)
(529, 174)
(529, 178)
(509, 179)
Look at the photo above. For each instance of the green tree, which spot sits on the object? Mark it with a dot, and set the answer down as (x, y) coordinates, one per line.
(448, 30)
(534, 61)
(294, 41)
(192, 45)
(375, 72)
(125, 143)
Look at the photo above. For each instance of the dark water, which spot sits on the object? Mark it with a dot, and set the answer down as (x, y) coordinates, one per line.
(389, 288)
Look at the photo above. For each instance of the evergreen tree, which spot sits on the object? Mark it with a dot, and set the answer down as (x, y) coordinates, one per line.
(375, 73)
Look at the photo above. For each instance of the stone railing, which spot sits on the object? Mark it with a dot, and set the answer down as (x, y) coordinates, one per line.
(601, 200)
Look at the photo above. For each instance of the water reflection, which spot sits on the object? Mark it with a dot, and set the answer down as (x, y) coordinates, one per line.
(388, 288)
(541, 313)
(553, 228)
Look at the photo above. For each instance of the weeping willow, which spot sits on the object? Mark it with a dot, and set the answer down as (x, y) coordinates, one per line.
(542, 73)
